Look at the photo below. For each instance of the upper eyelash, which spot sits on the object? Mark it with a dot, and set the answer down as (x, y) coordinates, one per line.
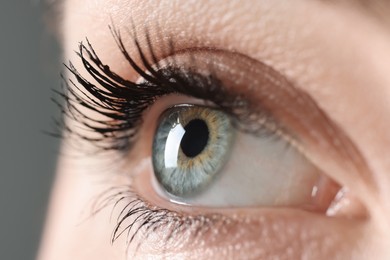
(119, 100)
(122, 102)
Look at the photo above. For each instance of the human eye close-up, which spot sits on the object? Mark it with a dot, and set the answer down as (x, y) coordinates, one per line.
(220, 130)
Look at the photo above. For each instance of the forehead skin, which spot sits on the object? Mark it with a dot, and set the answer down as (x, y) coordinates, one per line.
(338, 53)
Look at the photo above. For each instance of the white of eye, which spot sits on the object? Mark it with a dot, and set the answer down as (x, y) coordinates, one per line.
(261, 171)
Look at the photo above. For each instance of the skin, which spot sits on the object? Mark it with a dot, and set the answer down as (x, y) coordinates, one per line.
(336, 52)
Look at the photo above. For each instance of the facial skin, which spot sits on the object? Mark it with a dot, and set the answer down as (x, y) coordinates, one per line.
(336, 53)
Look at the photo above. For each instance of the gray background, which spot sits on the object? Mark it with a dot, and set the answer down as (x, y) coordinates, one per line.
(29, 69)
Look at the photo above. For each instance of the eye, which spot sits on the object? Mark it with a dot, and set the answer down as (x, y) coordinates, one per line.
(243, 151)
(199, 158)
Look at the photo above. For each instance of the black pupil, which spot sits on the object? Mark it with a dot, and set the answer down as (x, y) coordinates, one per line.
(195, 138)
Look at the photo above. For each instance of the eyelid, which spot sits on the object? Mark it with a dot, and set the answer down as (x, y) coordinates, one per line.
(170, 230)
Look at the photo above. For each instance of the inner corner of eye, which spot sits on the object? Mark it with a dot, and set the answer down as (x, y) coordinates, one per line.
(200, 159)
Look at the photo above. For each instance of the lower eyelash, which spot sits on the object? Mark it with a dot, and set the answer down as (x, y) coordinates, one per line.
(139, 219)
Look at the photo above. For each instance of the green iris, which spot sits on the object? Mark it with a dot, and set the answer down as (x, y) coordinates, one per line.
(190, 147)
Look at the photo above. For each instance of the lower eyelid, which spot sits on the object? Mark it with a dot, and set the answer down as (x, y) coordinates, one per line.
(254, 233)
(234, 233)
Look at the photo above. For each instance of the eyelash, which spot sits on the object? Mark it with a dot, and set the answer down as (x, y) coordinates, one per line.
(122, 103)
(145, 219)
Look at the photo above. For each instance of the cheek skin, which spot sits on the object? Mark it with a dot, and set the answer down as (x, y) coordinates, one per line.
(69, 232)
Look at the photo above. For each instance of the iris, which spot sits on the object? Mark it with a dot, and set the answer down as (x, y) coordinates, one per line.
(190, 147)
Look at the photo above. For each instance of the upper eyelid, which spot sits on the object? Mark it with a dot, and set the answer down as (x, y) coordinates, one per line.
(91, 60)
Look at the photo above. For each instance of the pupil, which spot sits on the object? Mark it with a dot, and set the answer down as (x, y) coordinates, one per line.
(195, 138)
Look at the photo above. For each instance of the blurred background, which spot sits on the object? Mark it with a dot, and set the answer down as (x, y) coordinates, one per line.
(29, 69)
